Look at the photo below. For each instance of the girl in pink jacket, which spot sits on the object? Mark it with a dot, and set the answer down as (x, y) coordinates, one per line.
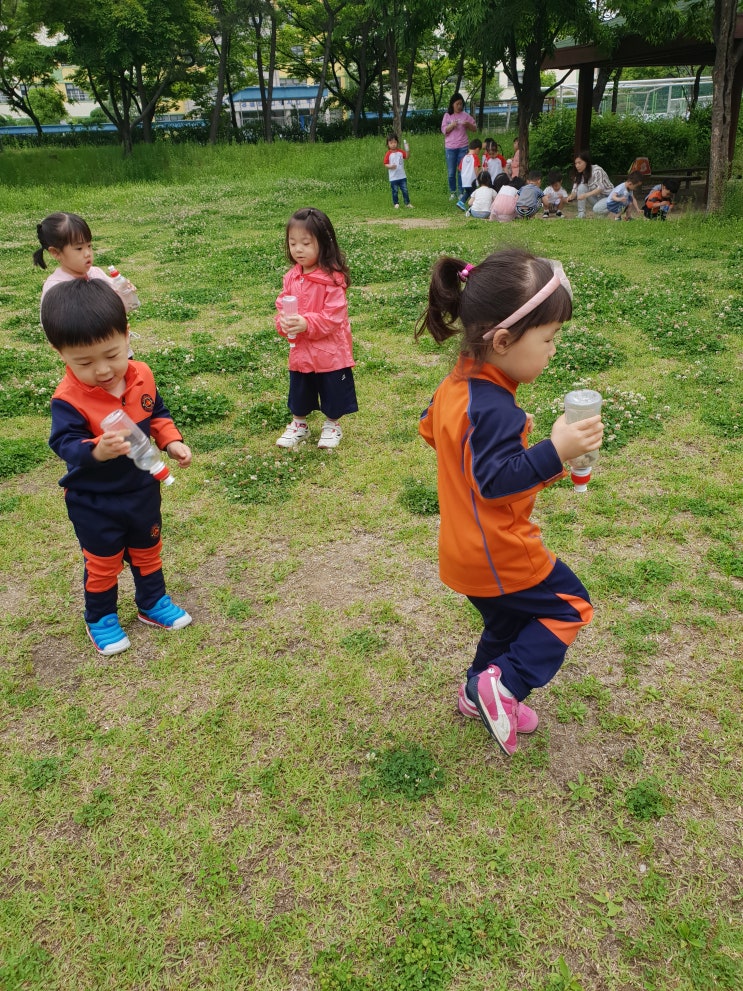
(318, 330)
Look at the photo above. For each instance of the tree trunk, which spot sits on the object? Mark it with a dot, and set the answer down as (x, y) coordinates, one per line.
(615, 91)
(602, 79)
(409, 83)
(393, 68)
(460, 73)
(329, 26)
(231, 99)
(694, 99)
(483, 87)
(146, 118)
(723, 73)
(363, 69)
(223, 52)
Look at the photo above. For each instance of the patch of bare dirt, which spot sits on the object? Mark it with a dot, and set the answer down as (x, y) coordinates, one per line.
(407, 222)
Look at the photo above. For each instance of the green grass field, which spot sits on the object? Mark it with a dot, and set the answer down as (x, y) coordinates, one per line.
(283, 795)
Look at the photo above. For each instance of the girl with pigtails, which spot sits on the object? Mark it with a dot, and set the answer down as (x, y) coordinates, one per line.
(507, 311)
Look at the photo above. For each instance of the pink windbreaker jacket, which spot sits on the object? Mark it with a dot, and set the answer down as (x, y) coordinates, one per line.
(326, 345)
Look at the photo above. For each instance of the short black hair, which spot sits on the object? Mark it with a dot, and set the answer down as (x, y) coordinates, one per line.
(672, 185)
(392, 137)
(535, 174)
(81, 312)
(554, 175)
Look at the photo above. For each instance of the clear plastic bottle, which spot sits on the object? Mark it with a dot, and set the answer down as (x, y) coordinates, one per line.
(579, 405)
(124, 288)
(289, 306)
(141, 451)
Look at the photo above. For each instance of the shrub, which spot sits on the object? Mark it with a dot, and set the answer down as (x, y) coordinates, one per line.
(616, 141)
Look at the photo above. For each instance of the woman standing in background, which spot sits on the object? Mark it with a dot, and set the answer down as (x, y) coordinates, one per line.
(455, 125)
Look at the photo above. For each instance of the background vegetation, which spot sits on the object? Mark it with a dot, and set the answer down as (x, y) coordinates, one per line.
(283, 795)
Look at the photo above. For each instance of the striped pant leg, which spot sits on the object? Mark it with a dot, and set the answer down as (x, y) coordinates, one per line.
(527, 633)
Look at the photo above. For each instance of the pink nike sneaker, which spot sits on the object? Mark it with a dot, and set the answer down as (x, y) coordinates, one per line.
(499, 712)
(528, 720)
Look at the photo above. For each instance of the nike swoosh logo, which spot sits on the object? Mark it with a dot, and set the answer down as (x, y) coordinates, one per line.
(502, 724)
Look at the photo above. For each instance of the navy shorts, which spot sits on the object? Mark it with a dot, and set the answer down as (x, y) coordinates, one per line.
(333, 393)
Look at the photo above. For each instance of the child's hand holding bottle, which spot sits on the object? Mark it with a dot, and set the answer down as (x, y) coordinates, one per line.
(573, 439)
(291, 322)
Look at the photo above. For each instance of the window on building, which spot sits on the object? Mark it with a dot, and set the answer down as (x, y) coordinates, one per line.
(75, 94)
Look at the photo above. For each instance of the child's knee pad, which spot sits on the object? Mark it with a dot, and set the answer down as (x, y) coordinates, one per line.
(102, 573)
(146, 559)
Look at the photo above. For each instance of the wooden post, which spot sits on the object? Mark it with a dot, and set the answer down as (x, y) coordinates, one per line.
(585, 108)
(737, 95)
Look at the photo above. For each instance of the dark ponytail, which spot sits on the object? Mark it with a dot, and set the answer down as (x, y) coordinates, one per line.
(472, 299)
(57, 231)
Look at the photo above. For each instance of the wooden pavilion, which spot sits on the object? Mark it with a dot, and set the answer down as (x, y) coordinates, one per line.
(633, 50)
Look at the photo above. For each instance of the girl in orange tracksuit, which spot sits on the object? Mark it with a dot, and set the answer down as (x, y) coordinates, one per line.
(508, 310)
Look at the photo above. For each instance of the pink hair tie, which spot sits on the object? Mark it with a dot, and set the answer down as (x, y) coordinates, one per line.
(464, 274)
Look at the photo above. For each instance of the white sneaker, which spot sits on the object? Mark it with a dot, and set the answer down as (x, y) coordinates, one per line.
(397, 206)
(294, 434)
(331, 435)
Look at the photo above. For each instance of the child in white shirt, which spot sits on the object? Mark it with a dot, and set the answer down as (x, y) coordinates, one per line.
(470, 170)
(554, 196)
(394, 163)
(482, 199)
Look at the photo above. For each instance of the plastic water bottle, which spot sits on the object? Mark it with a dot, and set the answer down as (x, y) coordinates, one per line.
(141, 451)
(289, 308)
(123, 287)
(580, 405)
(406, 146)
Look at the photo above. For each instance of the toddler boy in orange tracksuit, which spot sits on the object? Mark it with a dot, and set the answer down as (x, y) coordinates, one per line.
(113, 505)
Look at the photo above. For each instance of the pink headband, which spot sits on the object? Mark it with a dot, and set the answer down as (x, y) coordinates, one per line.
(557, 280)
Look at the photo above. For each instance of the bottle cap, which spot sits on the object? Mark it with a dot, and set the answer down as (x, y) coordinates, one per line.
(580, 478)
(163, 475)
(113, 271)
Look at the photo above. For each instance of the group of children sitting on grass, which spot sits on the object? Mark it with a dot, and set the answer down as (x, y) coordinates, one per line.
(491, 190)
(507, 198)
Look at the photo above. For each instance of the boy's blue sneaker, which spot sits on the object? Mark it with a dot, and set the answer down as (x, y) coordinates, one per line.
(107, 636)
(462, 206)
(165, 614)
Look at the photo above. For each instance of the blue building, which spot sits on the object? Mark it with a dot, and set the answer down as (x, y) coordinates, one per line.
(287, 101)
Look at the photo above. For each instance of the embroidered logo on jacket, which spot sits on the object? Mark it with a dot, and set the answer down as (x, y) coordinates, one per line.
(148, 403)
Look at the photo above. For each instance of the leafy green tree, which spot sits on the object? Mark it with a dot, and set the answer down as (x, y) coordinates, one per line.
(521, 33)
(130, 52)
(306, 47)
(25, 64)
(431, 75)
(227, 18)
(48, 104)
(356, 64)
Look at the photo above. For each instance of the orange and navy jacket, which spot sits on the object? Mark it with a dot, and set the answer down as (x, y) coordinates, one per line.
(77, 411)
(488, 480)
(655, 200)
